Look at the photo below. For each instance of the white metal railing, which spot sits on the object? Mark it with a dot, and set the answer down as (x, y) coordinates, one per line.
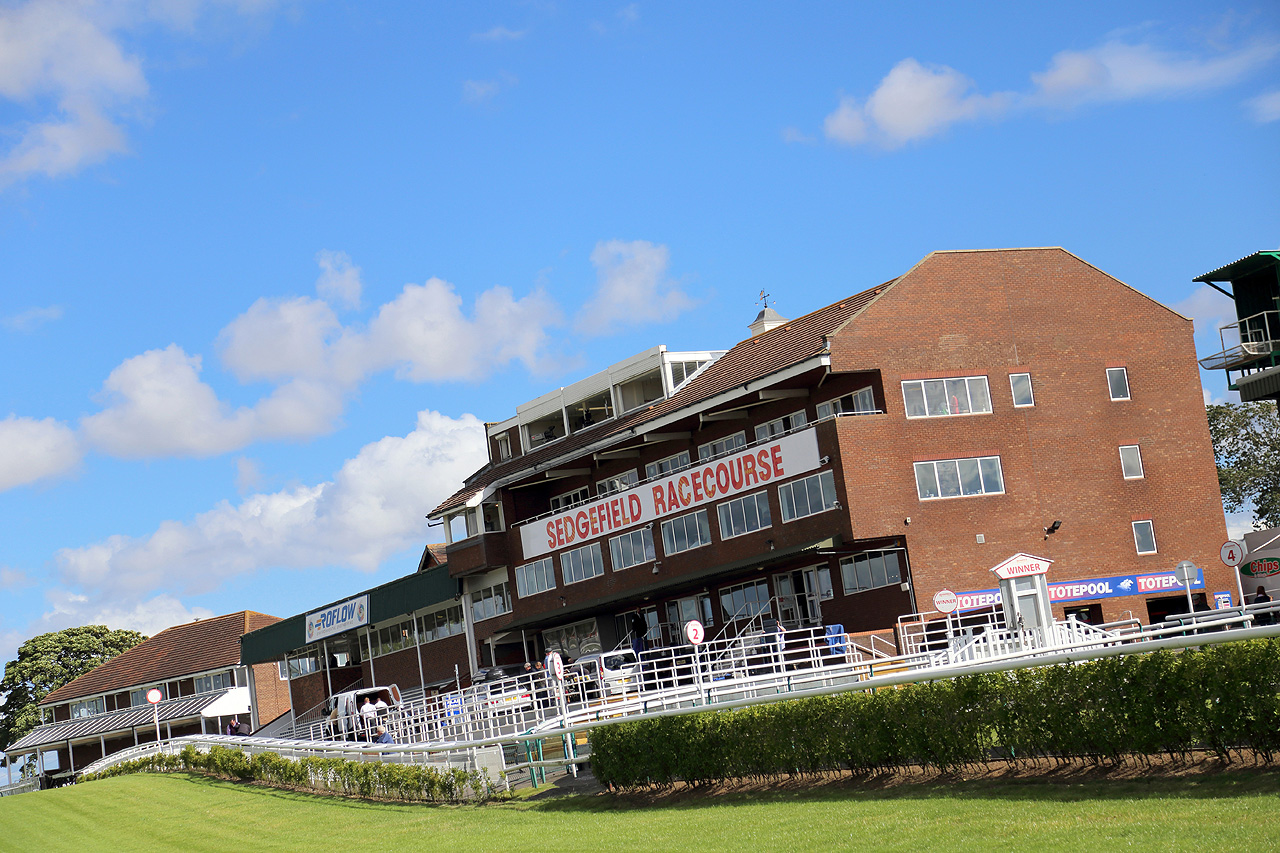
(20, 787)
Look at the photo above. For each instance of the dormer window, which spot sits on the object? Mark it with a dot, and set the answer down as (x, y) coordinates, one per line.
(504, 447)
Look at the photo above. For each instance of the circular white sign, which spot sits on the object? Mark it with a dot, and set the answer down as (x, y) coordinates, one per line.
(945, 601)
(694, 631)
(154, 696)
(1232, 553)
(555, 665)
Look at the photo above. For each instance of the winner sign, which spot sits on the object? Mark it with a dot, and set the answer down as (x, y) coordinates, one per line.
(699, 484)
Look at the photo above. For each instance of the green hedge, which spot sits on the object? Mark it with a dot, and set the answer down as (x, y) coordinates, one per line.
(1223, 698)
(407, 782)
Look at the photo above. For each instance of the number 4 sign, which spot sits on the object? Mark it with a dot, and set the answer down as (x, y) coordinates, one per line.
(1232, 553)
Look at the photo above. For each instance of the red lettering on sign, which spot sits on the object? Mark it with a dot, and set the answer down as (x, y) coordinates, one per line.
(673, 500)
(659, 500)
(735, 467)
(682, 488)
(722, 478)
(709, 482)
(765, 473)
(583, 525)
(697, 486)
(776, 453)
(551, 534)
(749, 477)
(637, 508)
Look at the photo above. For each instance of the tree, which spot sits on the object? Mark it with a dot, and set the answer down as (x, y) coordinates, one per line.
(47, 662)
(1246, 446)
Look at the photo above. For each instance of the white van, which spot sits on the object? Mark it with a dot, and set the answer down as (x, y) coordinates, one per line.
(602, 674)
(342, 710)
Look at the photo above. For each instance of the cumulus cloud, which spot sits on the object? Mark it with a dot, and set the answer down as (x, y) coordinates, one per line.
(373, 508)
(479, 91)
(25, 321)
(33, 449)
(63, 62)
(339, 279)
(916, 101)
(1266, 107)
(632, 287)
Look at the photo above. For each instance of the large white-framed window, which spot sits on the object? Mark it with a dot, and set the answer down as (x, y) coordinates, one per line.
(1144, 537)
(214, 681)
(305, 662)
(744, 515)
(617, 483)
(957, 478)
(686, 532)
(1118, 383)
(666, 466)
(860, 402)
(446, 622)
(870, 570)
(391, 638)
(745, 600)
(490, 602)
(504, 447)
(533, 578)
(1131, 462)
(722, 446)
(88, 707)
(139, 697)
(681, 611)
(1020, 385)
(581, 563)
(807, 496)
(938, 398)
(631, 549)
(569, 499)
(779, 426)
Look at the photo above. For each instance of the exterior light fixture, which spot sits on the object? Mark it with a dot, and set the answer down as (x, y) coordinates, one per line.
(1052, 529)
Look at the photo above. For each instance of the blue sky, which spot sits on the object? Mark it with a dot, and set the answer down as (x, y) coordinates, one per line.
(269, 266)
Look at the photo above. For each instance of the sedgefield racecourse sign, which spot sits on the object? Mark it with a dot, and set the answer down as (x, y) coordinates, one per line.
(695, 486)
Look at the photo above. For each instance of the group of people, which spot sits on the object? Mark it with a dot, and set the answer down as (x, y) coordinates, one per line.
(370, 710)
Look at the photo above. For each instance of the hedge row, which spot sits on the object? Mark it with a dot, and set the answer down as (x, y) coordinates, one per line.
(408, 782)
(1223, 698)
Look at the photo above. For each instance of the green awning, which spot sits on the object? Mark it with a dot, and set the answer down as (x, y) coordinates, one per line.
(399, 597)
(1241, 268)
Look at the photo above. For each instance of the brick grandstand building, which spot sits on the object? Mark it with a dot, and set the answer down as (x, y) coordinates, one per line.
(197, 668)
(845, 466)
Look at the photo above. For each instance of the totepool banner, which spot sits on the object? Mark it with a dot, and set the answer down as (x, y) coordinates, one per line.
(700, 484)
(1085, 590)
(343, 616)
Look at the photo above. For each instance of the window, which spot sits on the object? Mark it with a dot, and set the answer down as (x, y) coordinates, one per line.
(1020, 384)
(1118, 383)
(681, 611)
(860, 402)
(591, 411)
(807, 496)
(778, 426)
(544, 429)
(581, 563)
(686, 532)
(391, 638)
(441, 624)
(721, 446)
(88, 708)
(744, 515)
(492, 514)
(490, 601)
(871, 570)
(631, 549)
(954, 478)
(304, 663)
(576, 640)
(216, 681)
(620, 483)
(682, 370)
(533, 578)
(643, 389)
(568, 499)
(1144, 537)
(745, 601)
(504, 446)
(1131, 462)
(934, 398)
(666, 466)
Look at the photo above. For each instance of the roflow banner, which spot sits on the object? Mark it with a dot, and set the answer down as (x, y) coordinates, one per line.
(343, 616)
(704, 482)
(1091, 588)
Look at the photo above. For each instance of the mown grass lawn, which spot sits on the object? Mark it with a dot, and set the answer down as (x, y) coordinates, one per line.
(1234, 810)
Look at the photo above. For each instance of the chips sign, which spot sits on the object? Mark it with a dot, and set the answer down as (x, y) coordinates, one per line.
(694, 486)
(945, 601)
(1262, 567)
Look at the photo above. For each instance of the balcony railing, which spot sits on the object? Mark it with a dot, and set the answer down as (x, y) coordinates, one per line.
(1246, 341)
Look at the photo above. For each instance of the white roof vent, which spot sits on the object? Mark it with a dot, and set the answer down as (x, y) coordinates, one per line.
(767, 319)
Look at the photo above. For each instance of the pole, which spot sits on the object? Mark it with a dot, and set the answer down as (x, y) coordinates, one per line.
(155, 710)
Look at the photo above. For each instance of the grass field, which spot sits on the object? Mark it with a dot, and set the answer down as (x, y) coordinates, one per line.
(1234, 810)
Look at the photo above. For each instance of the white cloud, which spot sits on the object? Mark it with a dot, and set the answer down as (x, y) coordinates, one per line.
(281, 339)
(373, 508)
(916, 101)
(795, 134)
(248, 475)
(1266, 107)
(62, 61)
(478, 91)
(1208, 310)
(339, 280)
(13, 578)
(25, 321)
(499, 33)
(629, 13)
(632, 287)
(33, 449)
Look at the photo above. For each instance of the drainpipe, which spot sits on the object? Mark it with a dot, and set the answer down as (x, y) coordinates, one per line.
(417, 651)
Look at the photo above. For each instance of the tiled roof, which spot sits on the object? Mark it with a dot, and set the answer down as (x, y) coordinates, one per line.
(117, 721)
(181, 650)
(754, 358)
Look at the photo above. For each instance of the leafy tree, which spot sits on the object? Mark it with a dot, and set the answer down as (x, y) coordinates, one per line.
(47, 662)
(1246, 446)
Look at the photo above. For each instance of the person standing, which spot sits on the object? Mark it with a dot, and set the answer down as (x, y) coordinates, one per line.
(1262, 598)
